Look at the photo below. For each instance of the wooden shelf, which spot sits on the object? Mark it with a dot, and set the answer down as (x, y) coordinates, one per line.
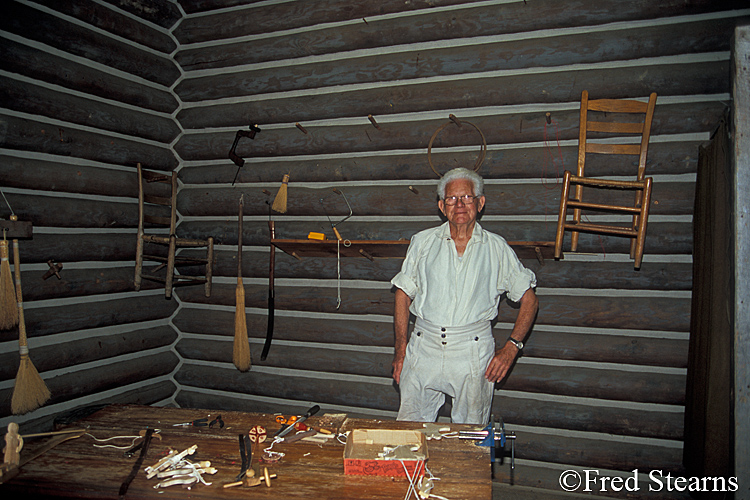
(540, 250)
(347, 248)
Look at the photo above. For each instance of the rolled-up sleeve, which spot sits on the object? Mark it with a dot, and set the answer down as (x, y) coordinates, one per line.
(514, 278)
(406, 279)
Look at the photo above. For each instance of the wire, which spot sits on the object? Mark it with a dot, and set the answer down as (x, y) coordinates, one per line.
(134, 439)
(7, 203)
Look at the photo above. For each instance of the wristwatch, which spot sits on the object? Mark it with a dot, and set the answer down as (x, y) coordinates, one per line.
(516, 343)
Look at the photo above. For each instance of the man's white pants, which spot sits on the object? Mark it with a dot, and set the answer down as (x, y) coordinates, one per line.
(449, 361)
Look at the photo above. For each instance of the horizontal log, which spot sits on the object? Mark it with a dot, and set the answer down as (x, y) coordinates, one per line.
(111, 21)
(611, 384)
(76, 352)
(266, 20)
(26, 21)
(579, 416)
(84, 246)
(28, 98)
(664, 158)
(93, 314)
(605, 348)
(62, 177)
(594, 311)
(52, 211)
(515, 17)
(545, 88)
(221, 323)
(624, 455)
(668, 198)
(574, 381)
(41, 65)
(94, 380)
(40, 137)
(670, 238)
(624, 44)
(323, 391)
(80, 283)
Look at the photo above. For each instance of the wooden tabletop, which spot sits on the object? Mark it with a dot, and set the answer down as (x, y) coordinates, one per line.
(77, 469)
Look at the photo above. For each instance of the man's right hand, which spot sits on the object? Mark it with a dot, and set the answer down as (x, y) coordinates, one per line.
(398, 365)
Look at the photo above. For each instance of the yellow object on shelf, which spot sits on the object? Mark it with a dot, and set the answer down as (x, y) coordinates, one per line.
(316, 236)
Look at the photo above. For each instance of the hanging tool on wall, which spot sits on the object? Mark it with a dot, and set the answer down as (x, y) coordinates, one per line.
(241, 349)
(339, 241)
(29, 392)
(272, 264)
(254, 129)
(333, 226)
(54, 270)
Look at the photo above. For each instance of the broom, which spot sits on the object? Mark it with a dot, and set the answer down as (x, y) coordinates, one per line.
(279, 203)
(8, 302)
(241, 351)
(29, 392)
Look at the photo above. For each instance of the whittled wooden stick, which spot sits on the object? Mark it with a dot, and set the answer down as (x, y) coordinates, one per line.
(250, 480)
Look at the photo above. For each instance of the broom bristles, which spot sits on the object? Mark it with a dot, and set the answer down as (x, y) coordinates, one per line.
(8, 301)
(279, 203)
(29, 392)
(241, 351)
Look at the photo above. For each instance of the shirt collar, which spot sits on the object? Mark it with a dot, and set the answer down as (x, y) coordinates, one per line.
(478, 234)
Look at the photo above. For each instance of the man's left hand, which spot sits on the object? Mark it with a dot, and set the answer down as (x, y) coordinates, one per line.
(501, 363)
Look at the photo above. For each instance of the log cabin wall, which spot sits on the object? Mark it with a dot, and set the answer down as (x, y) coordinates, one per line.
(94, 88)
(86, 93)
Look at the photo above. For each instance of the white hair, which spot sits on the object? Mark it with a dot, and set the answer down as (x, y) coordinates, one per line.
(461, 173)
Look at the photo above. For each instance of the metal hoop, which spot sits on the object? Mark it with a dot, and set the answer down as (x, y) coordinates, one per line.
(453, 119)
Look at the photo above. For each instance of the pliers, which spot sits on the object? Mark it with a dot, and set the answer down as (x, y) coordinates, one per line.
(215, 421)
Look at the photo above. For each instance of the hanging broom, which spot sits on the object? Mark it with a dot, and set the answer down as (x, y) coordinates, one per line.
(279, 203)
(8, 302)
(241, 351)
(30, 392)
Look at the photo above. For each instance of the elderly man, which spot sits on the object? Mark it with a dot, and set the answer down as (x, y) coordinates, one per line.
(452, 280)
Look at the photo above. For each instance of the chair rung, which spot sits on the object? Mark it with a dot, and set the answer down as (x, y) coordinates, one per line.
(599, 206)
(613, 149)
(186, 261)
(596, 228)
(607, 183)
(186, 242)
(157, 258)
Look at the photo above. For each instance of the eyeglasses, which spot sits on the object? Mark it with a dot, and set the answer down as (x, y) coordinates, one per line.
(465, 199)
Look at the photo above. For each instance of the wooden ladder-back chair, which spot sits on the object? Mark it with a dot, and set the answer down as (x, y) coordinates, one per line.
(157, 210)
(615, 123)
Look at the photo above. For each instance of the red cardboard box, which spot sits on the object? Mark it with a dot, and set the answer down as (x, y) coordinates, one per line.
(364, 447)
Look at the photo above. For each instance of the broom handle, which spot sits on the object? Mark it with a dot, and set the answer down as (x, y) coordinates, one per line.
(239, 240)
(22, 342)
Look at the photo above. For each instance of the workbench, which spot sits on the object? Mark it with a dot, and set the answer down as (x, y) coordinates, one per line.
(76, 469)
